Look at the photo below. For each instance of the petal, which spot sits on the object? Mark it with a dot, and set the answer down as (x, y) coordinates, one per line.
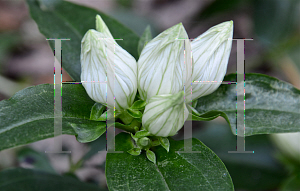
(101, 57)
(165, 114)
(101, 27)
(161, 64)
(211, 52)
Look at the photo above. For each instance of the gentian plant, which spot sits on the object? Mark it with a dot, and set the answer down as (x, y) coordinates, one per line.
(141, 85)
(158, 77)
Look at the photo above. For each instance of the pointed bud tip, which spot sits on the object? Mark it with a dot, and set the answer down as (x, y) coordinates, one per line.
(178, 98)
(99, 23)
(92, 32)
(225, 25)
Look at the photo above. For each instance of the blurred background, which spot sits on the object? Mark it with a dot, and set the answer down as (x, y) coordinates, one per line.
(26, 59)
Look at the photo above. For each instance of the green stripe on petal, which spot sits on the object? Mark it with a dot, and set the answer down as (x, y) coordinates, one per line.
(211, 52)
(165, 114)
(100, 56)
(161, 64)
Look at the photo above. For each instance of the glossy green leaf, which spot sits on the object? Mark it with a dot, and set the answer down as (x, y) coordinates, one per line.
(292, 184)
(97, 111)
(142, 133)
(155, 142)
(135, 151)
(151, 156)
(138, 105)
(253, 171)
(109, 114)
(37, 160)
(145, 38)
(132, 127)
(26, 179)
(165, 143)
(272, 106)
(67, 20)
(134, 113)
(86, 133)
(28, 116)
(172, 171)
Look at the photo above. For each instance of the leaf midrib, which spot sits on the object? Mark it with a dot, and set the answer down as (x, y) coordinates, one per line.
(250, 110)
(163, 178)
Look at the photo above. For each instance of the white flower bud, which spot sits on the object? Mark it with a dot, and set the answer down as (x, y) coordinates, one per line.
(165, 114)
(211, 52)
(161, 64)
(100, 56)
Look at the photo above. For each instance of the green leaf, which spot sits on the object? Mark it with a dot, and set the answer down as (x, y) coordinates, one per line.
(134, 113)
(109, 114)
(217, 7)
(172, 171)
(292, 184)
(97, 111)
(87, 133)
(142, 133)
(138, 105)
(28, 116)
(165, 143)
(272, 106)
(155, 142)
(135, 151)
(151, 156)
(130, 128)
(145, 38)
(284, 16)
(257, 171)
(36, 159)
(67, 20)
(27, 179)
(95, 146)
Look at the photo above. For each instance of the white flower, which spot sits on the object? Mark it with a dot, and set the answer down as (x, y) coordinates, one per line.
(162, 71)
(161, 64)
(101, 55)
(211, 52)
(165, 114)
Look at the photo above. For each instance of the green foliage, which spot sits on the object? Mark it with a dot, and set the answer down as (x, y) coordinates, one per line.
(145, 38)
(278, 23)
(172, 171)
(292, 184)
(148, 162)
(138, 105)
(36, 159)
(97, 111)
(254, 171)
(87, 133)
(165, 143)
(28, 116)
(57, 20)
(272, 106)
(33, 180)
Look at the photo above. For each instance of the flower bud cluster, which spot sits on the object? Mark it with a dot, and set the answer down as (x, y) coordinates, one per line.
(159, 75)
